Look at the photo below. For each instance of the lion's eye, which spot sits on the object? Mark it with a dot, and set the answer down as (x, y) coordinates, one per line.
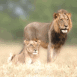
(61, 19)
(67, 19)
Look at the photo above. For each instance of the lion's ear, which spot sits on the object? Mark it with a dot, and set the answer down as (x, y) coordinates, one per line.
(26, 42)
(55, 15)
(69, 14)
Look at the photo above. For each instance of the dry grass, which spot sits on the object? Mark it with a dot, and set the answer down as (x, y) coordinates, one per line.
(64, 66)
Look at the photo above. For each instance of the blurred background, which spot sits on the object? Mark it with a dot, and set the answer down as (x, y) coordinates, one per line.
(16, 14)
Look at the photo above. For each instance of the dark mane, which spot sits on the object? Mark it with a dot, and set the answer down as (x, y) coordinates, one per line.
(58, 39)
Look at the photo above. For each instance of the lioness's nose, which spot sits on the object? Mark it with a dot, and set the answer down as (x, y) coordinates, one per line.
(35, 50)
(66, 25)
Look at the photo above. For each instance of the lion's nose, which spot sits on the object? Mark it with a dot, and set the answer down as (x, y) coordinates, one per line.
(66, 25)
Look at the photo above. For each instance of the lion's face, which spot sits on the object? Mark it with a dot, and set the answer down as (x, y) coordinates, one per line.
(32, 47)
(62, 22)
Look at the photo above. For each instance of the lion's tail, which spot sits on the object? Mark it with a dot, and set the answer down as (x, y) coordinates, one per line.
(11, 57)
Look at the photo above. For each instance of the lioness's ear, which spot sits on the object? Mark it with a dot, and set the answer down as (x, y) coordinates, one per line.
(69, 14)
(55, 15)
(26, 42)
(39, 42)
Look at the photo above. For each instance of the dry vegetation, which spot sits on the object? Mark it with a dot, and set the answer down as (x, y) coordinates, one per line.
(64, 66)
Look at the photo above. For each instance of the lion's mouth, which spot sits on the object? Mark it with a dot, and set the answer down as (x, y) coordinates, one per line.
(64, 30)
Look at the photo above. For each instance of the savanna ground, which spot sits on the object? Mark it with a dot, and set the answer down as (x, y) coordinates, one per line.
(64, 66)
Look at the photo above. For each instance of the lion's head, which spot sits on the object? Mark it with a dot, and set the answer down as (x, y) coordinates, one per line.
(62, 21)
(32, 47)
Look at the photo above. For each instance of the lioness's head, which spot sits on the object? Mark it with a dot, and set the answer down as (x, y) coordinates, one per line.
(62, 21)
(32, 47)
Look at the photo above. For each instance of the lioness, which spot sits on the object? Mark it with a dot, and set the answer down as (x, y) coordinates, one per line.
(29, 54)
(52, 35)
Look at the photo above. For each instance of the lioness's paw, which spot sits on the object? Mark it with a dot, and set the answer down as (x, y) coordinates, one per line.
(28, 61)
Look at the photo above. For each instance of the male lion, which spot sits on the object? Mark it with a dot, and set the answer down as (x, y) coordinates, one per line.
(29, 54)
(52, 35)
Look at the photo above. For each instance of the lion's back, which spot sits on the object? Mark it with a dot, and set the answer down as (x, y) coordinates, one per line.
(37, 30)
(37, 25)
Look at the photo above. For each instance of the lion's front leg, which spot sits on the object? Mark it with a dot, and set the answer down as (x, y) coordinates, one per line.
(28, 60)
(36, 61)
(55, 54)
(52, 54)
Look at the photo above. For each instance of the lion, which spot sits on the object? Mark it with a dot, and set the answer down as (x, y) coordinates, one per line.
(52, 35)
(28, 55)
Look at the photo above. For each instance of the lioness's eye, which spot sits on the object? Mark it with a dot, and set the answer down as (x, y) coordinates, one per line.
(61, 19)
(31, 45)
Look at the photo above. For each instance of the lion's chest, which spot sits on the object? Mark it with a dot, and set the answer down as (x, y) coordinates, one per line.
(58, 39)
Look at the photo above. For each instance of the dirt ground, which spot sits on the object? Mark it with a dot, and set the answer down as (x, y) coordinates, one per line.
(64, 66)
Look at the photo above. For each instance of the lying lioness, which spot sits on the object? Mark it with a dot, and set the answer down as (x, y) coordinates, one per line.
(29, 54)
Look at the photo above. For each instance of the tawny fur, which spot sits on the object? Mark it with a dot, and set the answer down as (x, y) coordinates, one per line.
(52, 35)
(29, 54)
